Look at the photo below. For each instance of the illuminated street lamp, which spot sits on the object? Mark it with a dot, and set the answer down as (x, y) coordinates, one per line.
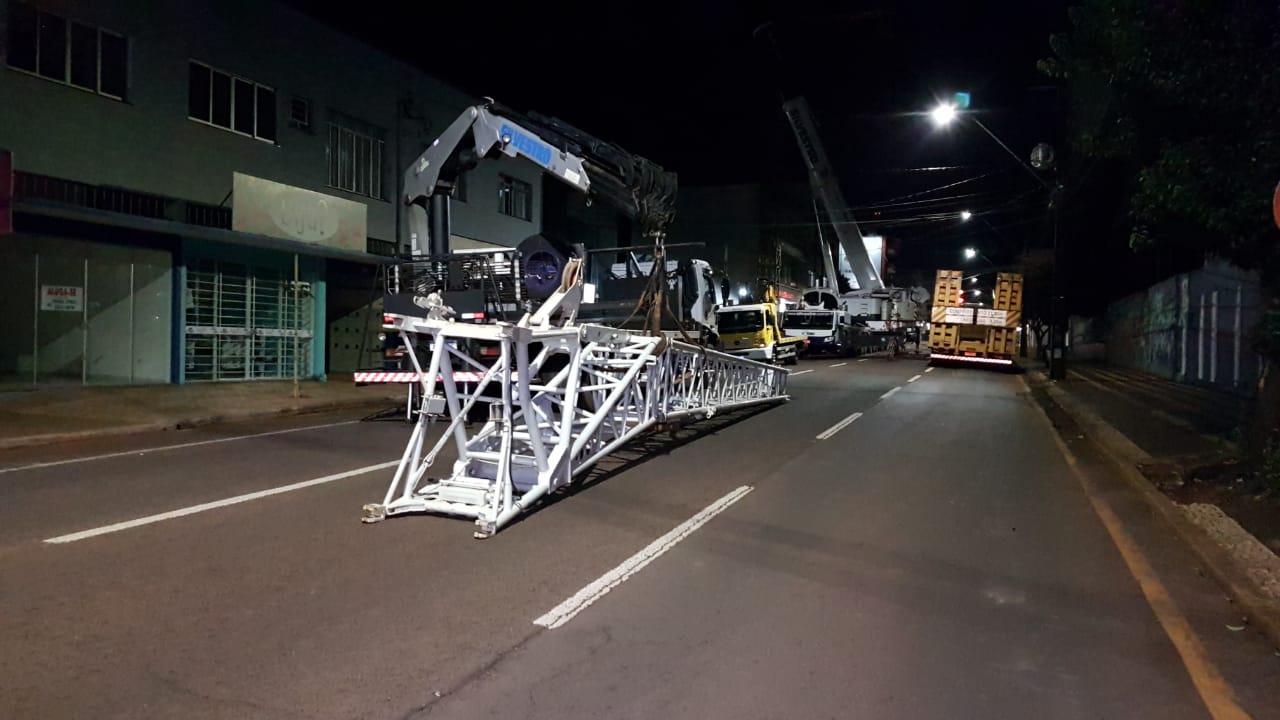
(970, 253)
(943, 114)
(965, 215)
(1042, 158)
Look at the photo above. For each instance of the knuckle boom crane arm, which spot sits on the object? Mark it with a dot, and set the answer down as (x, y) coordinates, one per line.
(639, 188)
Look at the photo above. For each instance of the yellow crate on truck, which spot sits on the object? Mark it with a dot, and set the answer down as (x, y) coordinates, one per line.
(948, 288)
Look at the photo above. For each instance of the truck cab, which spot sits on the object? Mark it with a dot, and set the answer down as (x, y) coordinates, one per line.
(755, 332)
(824, 331)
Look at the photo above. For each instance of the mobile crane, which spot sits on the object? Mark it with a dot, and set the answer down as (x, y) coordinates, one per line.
(568, 393)
(886, 309)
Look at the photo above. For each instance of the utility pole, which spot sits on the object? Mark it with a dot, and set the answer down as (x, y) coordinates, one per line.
(1057, 308)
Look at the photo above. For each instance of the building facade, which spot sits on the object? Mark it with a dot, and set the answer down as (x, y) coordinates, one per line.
(753, 233)
(202, 191)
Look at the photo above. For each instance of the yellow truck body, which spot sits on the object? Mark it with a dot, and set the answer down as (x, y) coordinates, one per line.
(978, 334)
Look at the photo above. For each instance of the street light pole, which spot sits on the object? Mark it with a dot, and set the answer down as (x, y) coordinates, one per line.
(944, 114)
(1013, 154)
(1057, 314)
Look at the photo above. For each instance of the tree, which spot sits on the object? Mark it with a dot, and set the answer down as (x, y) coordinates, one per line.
(1182, 97)
(1036, 267)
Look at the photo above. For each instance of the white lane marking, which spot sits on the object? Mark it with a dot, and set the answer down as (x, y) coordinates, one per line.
(886, 395)
(564, 612)
(862, 359)
(838, 364)
(838, 426)
(144, 451)
(915, 378)
(129, 524)
(799, 372)
(928, 369)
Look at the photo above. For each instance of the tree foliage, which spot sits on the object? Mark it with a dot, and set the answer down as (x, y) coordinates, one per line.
(1183, 96)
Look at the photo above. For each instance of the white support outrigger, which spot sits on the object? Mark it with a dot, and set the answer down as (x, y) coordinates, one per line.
(569, 395)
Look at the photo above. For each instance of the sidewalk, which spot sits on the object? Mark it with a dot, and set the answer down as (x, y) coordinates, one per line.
(46, 415)
(1175, 444)
(1164, 418)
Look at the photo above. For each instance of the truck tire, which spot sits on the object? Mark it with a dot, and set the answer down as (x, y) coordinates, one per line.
(792, 359)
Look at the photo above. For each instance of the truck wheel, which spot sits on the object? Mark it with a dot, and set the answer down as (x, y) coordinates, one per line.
(791, 359)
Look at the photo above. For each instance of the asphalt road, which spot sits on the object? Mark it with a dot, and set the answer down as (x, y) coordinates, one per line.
(935, 557)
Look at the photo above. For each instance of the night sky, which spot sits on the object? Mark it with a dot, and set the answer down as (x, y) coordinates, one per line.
(692, 86)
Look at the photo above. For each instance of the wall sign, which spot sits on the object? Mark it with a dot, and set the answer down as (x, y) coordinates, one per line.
(62, 298)
(282, 211)
(987, 316)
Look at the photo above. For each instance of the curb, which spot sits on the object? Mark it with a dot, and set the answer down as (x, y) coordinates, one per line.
(184, 423)
(1263, 612)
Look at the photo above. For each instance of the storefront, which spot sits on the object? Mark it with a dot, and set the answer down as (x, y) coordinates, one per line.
(245, 317)
(93, 297)
(84, 312)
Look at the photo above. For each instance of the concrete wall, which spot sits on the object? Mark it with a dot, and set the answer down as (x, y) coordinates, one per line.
(1195, 327)
(147, 143)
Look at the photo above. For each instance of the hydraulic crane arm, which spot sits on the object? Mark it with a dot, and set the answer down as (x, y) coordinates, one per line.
(826, 189)
(639, 188)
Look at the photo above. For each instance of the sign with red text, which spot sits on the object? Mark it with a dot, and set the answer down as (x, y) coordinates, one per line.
(62, 298)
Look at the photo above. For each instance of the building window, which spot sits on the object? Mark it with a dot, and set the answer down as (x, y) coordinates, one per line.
(66, 51)
(355, 157)
(515, 198)
(230, 102)
(300, 113)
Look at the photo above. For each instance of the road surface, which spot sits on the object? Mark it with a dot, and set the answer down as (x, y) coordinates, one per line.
(933, 557)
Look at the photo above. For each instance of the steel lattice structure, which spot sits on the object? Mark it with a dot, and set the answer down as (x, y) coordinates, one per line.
(561, 396)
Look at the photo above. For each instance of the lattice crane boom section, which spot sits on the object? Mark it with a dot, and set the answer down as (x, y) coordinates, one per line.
(560, 398)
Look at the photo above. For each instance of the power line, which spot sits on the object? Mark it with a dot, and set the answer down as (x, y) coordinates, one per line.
(931, 190)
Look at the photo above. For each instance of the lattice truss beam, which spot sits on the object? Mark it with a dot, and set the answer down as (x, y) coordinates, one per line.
(560, 397)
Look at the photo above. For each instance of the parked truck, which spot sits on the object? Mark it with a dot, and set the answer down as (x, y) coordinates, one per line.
(826, 326)
(977, 334)
(755, 331)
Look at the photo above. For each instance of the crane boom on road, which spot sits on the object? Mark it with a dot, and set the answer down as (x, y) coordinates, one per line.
(560, 394)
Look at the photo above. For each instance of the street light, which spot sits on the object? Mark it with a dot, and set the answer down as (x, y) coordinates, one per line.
(970, 253)
(1042, 158)
(965, 215)
(943, 114)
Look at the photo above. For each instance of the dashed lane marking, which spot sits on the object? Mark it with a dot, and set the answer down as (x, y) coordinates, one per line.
(838, 426)
(192, 510)
(565, 611)
(886, 395)
(163, 448)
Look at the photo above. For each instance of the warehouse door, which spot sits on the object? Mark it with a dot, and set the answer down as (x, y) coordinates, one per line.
(243, 323)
